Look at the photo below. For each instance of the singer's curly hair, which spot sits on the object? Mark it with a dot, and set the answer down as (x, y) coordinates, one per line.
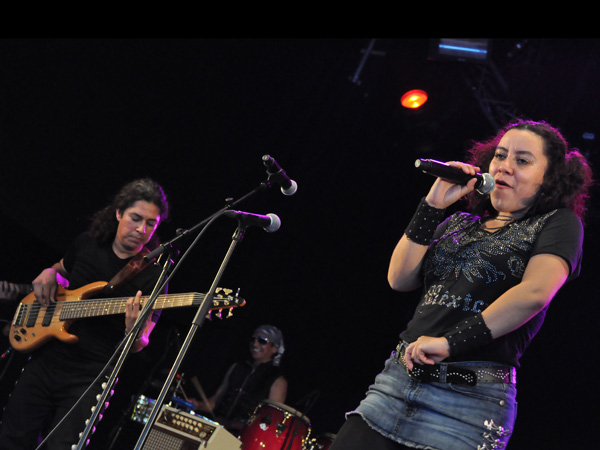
(104, 222)
(567, 180)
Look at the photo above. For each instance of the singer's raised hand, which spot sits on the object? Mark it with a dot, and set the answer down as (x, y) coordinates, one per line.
(444, 193)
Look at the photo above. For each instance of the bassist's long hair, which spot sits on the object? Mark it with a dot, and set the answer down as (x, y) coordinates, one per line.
(104, 222)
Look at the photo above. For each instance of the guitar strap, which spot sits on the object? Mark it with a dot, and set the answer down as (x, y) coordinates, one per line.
(134, 266)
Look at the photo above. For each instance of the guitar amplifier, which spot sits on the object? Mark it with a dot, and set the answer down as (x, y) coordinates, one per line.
(179, 430)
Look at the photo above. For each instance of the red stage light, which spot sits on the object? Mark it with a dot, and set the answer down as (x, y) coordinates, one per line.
(413, 99)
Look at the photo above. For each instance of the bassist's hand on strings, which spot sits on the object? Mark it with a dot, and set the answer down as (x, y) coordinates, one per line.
(44, 286)
(132, 311)
(46, 283)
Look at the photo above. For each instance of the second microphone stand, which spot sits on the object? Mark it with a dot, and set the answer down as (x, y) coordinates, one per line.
(196, 324)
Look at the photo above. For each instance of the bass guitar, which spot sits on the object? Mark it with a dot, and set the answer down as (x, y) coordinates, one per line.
(33, 324)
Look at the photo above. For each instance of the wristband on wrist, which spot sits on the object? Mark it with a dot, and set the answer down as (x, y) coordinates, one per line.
(424, 223)
(468, 334)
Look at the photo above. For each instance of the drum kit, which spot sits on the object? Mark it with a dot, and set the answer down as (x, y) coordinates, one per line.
(272, 426)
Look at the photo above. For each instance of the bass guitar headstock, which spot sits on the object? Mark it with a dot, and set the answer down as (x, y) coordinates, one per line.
(225, 300)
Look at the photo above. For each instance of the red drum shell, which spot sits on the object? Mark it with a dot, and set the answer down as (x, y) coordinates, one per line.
(275, 426)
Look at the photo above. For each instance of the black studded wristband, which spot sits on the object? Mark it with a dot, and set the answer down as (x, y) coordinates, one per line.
(468, 334)
(424, 223)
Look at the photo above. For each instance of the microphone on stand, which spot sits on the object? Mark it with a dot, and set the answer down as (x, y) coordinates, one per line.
(288, 186)
(485, 182)
(269, 223)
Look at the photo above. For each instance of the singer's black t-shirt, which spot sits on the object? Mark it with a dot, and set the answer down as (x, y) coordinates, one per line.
(466, 268)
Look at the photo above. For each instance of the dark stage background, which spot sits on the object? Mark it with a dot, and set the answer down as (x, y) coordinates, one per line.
(80, 117)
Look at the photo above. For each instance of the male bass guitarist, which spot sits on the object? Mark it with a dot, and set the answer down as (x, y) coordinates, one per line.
(59, 373)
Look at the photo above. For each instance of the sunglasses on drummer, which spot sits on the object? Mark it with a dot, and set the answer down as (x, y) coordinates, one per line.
(261, 340)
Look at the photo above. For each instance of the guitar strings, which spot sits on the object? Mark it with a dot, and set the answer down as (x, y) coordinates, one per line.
(73, 309)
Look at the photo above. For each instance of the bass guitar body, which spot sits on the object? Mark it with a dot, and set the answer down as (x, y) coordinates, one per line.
(33, 324)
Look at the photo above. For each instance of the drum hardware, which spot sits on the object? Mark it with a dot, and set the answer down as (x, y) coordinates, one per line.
(321, 442)
(142, 408)
(281, 427)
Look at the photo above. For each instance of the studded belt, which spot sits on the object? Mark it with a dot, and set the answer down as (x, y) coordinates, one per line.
(457, 373)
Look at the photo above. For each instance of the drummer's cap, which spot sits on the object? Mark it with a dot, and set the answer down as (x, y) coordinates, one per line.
(275, 336)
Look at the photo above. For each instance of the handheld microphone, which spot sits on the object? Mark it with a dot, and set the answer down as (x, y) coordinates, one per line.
(485, 182)
(288, 186)
(270, 222)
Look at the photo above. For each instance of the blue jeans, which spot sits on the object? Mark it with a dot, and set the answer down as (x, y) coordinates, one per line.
(439, 416)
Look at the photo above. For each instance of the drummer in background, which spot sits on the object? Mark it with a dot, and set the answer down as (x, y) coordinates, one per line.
(249, 382)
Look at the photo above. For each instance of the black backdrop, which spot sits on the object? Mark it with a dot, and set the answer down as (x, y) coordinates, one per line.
(80, 117)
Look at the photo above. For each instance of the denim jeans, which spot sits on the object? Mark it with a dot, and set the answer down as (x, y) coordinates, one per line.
(439, 416)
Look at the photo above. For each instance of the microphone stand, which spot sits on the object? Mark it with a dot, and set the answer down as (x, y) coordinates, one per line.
(205, 305)
(196, 324)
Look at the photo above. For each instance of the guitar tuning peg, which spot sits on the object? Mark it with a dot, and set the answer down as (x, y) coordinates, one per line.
(229, 313)
(209, 315)
(220, 314)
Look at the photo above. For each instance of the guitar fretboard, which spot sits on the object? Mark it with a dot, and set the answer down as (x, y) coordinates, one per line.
(80, 309)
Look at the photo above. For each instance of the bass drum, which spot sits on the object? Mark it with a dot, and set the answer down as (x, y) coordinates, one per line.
(275, 426)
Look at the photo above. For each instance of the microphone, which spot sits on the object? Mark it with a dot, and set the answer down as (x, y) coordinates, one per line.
(485, 182)
(288, 186)
(270, 222)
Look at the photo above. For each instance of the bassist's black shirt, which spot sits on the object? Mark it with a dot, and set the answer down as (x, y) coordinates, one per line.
(88, 261)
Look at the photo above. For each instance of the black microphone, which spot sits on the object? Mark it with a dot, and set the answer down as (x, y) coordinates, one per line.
(270, 222)
(485, 182)
(288, 186)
